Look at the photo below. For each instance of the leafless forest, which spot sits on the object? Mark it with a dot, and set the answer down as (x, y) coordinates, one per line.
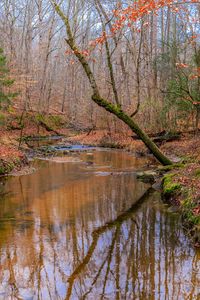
(151, 67)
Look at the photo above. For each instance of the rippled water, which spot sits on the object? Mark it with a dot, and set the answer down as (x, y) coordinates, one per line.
(73, 230)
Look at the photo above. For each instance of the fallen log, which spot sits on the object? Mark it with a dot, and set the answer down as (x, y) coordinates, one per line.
(161, 137)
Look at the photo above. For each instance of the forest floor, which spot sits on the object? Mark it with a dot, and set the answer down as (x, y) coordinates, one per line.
(13, 134)
(181, 185)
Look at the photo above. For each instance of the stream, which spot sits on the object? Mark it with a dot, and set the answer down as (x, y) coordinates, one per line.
(83, 227)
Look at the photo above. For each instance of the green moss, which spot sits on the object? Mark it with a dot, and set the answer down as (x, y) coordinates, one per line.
(2, 119)
(188, 205)
(197, 173)
(56, 120)
(171, 167)
(51, 121)
(169, 186)
(187, 159)
(6, 167)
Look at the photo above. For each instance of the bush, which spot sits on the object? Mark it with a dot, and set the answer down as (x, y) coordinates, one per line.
(5, 82)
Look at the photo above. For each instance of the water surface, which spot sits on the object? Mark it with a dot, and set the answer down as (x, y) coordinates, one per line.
(75, 230)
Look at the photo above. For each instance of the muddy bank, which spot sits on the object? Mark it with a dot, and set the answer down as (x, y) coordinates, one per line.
(181, 188)
(11, 160)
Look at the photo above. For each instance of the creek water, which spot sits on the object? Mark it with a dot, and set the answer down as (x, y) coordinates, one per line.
(76, 230)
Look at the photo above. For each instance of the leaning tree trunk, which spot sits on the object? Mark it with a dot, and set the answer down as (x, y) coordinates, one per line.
(96, 97)
(197, 106)
(120, 114)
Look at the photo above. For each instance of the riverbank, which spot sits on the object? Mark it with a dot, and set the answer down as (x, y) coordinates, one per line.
(11, 158)
(181, 188)
(15, 129)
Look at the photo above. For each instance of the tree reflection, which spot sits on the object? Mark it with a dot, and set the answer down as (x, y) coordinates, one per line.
(115, 243)
(86, 236)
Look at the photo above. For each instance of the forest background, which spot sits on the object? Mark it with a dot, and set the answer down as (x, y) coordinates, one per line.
(155, 61)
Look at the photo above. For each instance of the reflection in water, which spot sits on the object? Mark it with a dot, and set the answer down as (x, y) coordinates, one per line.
(66, 232)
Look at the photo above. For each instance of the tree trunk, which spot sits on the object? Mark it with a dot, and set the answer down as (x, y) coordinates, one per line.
(96, 97)
(120, 114)
(197, 117)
